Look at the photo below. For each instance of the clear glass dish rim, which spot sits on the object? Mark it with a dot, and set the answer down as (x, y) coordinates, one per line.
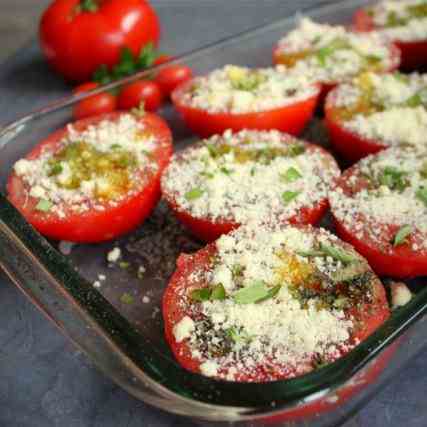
(288, 392)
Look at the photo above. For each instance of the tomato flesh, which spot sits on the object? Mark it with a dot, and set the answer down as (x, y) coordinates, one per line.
(290, 119)
(95, 225)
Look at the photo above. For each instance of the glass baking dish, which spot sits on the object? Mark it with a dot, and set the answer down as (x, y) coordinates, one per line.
(118, 323)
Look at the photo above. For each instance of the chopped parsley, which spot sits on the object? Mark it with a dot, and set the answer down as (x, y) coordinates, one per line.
(44, 205)
(401, 236)
(288, 196)
(193, 194)
(291, 175)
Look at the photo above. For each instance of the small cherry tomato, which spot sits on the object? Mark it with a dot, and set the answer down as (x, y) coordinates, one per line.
(104, 102)
(85, 87)
(141, 91)
(161, 59)
(171, 77)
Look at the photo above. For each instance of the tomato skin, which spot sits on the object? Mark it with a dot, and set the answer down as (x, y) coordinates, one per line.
(289, 119)
(397, 262)
(85, 87)
(76, 43)
(171, 77)
(144, 91)
(101, 103)
(413, 53)
(95, 225)
(369, 316)
(346, 143)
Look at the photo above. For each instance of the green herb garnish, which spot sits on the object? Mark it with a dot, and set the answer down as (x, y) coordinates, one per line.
(193, 194)
(421, 194)
(312, 253)
(44, 205)
(202, 294)
(401, 236)
(295, 150)
(393, 178)
(226, 171)
(55, 169)
(218, 293)
(337, 253)
(288, 196)
(291, 175)
(257, 292)
(127, 298)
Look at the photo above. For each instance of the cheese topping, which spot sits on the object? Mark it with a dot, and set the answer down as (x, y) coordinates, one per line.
(403, 20)
(388, 108)
(101, 164)
(279, 304)
(386, 199)
(249, 175)
(331, 53)
(239, 90)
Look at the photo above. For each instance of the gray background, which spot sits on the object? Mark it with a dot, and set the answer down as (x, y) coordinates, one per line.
(44, 381)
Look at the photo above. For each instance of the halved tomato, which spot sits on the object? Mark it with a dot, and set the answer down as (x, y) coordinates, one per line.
(183, 301)
(412, 52)
(111, 218)
(348, 144)
(270, 176)
(297, 101)
(392, 248)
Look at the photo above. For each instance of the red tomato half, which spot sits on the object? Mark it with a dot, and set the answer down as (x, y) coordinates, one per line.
(78, 36)
(144, 91)
(95, 225)
(351, 146)
(330, 85)
(208, 230)
(290, 119)
(413, 53)
(368, 316)
(384, 258)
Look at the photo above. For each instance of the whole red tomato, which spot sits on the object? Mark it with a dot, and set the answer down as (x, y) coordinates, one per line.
(172, 76)
(77, 36)
(141, 91)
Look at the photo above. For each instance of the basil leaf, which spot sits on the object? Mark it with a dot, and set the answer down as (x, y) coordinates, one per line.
(44, 205)
(251, 294)
(291, 175)
(288, 196)
(401, 235)
(295, 150)
(202, 294)
(271, 293)
(312, 253)
(218, 293)
(193, 194)
(421, 194)
(338, 253)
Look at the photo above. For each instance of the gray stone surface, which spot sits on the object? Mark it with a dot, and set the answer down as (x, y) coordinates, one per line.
(44, 380)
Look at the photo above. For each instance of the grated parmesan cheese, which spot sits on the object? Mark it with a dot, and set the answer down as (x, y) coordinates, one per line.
(227, 178)
(402, 20)
(332, 54)
(240, 90)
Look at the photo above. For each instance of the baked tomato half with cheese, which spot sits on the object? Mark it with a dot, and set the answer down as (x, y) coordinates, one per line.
(380, 207)
(332, 54)
(95, 179)
(404, 23)
(239, 98)
(270, 302)
(377, 111)
(231, 179)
